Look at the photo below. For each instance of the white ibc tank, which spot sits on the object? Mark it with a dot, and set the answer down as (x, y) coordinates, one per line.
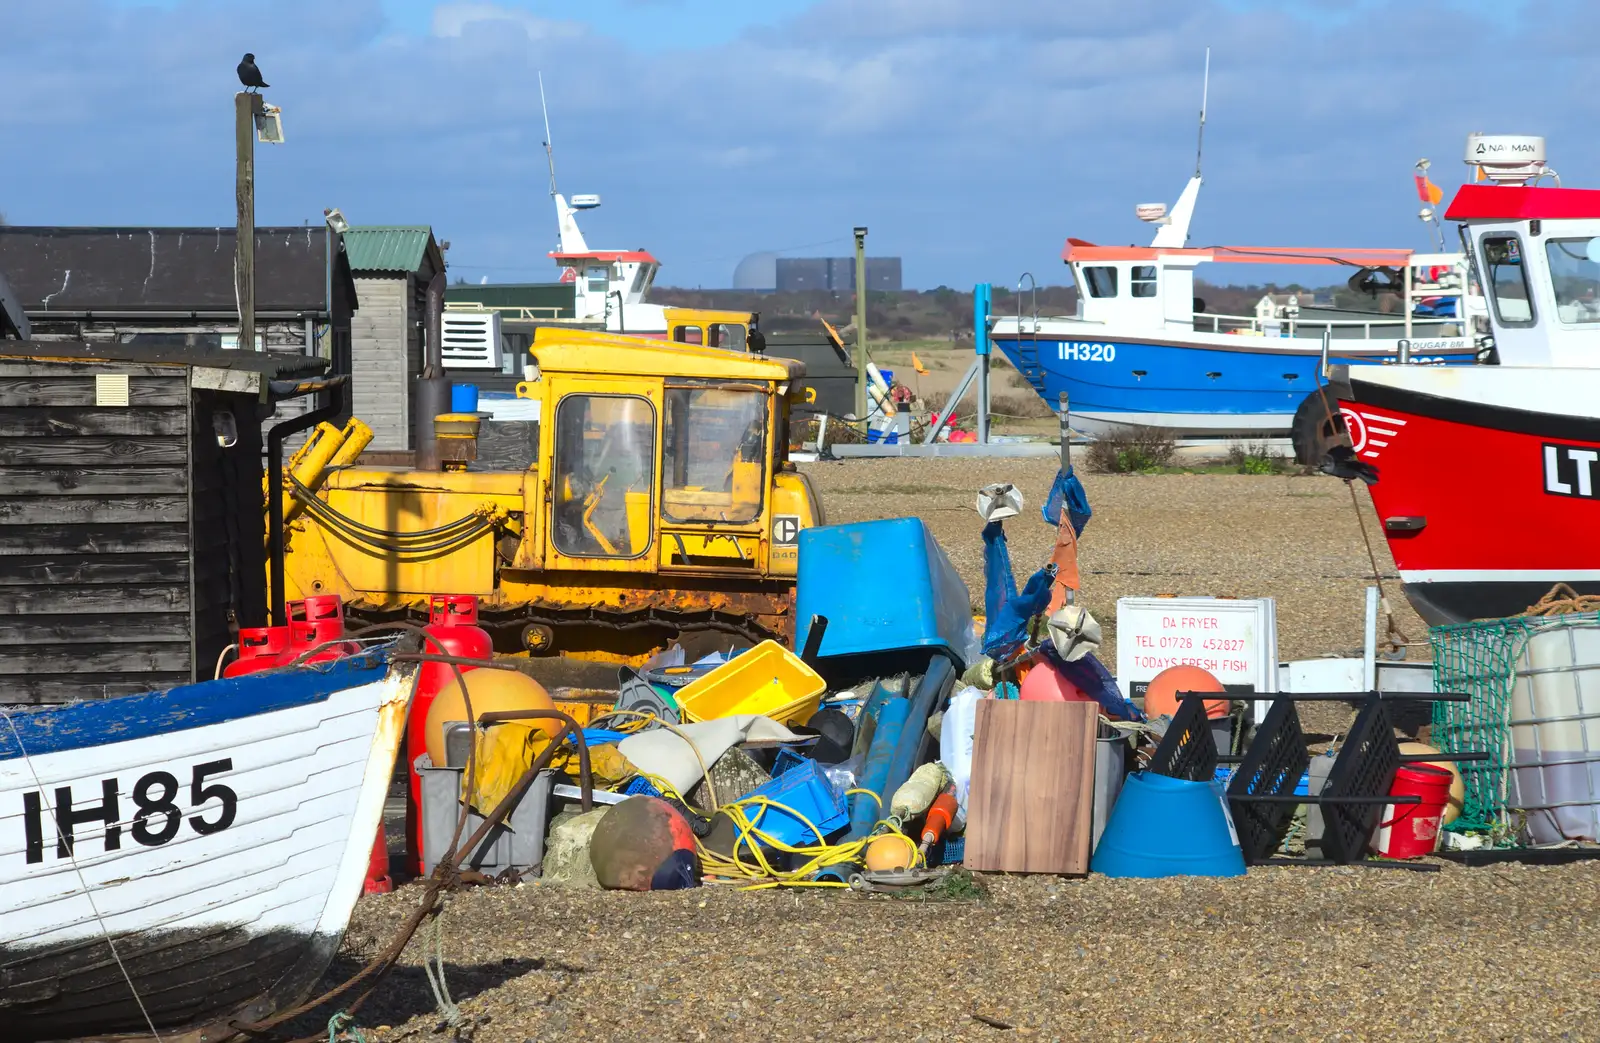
(1555, 734)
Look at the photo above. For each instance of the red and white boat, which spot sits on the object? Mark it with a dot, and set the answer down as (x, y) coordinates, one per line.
(1488, 477)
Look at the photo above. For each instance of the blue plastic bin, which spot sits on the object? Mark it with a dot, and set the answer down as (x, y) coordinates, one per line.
(884, 586)
(803, 789)
(463, 398)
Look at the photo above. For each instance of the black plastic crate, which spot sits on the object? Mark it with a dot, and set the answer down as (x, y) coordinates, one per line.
(1272, 766)
(1361, 775)
(1188, 750)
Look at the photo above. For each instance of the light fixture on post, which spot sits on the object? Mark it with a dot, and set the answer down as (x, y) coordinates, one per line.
(336, 220)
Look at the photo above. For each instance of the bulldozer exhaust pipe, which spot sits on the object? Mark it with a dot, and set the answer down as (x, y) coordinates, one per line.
(432, 386)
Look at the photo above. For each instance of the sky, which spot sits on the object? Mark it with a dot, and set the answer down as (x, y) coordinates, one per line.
(970, 137)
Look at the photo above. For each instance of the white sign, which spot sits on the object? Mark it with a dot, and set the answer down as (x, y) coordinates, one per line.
(1235, 640)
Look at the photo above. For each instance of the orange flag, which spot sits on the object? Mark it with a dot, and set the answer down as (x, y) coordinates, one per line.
(916, 364)
(1065, 559)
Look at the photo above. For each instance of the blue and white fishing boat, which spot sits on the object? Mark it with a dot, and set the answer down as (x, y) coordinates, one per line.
(175, 862)
(1142, 349)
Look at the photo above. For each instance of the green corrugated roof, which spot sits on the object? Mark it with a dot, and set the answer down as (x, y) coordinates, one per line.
(390, 248)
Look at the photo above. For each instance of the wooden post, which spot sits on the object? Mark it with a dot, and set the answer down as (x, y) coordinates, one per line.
(246, 105)
(861, 327)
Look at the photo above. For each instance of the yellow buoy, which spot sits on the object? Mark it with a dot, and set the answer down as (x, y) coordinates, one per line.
(1458, 788)
(490, 691)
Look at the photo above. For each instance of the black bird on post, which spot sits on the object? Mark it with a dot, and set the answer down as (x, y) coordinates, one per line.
(249, 75)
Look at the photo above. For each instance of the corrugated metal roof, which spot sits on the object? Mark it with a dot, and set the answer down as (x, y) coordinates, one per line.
(388, 248)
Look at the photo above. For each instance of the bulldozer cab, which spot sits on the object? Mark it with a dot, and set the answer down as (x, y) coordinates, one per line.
(661, 458)
(712, 328)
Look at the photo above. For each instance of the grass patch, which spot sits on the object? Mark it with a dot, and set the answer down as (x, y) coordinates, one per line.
(958, 885)
(1132, 450)
(1256, 458)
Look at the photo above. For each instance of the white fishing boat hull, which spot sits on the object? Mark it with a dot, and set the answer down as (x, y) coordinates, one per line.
(189, 858)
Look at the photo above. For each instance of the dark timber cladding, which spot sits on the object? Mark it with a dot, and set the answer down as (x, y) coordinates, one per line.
(131, 536)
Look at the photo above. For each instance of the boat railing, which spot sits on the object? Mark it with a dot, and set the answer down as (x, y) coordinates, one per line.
(512, 313)
(1297, 327)
(1247, 325)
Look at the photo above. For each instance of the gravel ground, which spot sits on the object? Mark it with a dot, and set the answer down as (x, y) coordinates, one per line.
(1497, 953)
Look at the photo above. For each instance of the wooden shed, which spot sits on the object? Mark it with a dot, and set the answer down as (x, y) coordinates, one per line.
(392, 266)
(131, 513)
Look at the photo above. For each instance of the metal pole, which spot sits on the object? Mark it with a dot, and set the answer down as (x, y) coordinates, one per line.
(980, 334)
(1408, 299)
(245, 107)
(861, 324)
(1066, 436)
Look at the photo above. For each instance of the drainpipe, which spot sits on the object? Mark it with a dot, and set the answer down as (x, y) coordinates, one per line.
(334, 389)
(433, 387)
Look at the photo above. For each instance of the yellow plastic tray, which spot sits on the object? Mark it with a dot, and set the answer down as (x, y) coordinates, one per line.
(768, 680)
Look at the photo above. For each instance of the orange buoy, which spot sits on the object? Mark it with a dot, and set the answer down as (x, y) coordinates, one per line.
(1162, 695)
(490, 691)
(1046, 684)
(889, 851)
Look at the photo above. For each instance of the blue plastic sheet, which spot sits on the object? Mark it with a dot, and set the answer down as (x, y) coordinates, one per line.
(1069, 491)
(1006, 610)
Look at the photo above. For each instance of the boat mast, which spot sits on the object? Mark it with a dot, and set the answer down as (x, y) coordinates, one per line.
(550, 157)
(1200, 143)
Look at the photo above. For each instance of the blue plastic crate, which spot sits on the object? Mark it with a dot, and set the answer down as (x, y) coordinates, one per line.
(884, 586)
(641, 785)
(786, 760)
(804, 790)
(949, 851)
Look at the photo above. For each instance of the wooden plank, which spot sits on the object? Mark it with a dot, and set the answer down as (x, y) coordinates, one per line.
(91, 452)
(140, 538)
(105, 629)
(23, 570)
(91, 510)
(92, 659)
(1032, 790)
(92, 481)
(67, 688)
(50, 422)
(88, 599)
(11, 367)
(80, 391)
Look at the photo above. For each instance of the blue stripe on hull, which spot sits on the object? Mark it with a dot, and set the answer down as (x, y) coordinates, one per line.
(102, 722)
(1134, 378)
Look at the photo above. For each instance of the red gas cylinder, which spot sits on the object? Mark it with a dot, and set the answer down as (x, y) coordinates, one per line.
(259, 649)
(313, 622)
(453, 630)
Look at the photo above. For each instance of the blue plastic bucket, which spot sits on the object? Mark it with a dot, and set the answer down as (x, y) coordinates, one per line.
(1162, 826)
(463, 398)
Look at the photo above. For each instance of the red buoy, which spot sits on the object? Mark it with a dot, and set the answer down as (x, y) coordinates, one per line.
(453, 630)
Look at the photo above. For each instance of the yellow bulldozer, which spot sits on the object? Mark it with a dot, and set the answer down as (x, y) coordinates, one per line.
(657, 505)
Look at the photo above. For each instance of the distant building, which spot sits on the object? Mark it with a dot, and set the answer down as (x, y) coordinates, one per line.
(801, 274)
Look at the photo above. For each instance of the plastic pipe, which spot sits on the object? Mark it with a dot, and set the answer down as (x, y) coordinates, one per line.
(864, 811)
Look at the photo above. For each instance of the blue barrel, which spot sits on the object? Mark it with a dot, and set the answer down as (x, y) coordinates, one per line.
(463, 398)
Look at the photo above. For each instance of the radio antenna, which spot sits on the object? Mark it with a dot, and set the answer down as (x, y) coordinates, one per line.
(1200, 144)
(549, 153)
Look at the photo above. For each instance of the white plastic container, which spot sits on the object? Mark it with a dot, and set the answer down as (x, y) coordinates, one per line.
(1555, 734)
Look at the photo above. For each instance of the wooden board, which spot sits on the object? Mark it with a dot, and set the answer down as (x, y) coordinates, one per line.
(1032, 794)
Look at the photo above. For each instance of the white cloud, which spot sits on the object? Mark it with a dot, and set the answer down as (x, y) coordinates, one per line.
(451, 20)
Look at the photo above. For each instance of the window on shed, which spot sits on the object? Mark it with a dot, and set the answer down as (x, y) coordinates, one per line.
(1102, 280)
(1144, 280)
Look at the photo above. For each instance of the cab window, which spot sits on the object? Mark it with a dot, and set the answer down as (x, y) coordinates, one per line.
(1508, 279)
(714, 457)
(1102, 280)
(1143, 283)
(1575, 278)
(599, 278)
(604, 472)
(686, 334)
(727, 335)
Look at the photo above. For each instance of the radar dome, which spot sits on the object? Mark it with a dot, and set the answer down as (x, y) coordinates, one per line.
(759, 271)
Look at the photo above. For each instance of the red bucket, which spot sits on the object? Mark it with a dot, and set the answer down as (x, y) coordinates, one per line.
(1412, 830)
